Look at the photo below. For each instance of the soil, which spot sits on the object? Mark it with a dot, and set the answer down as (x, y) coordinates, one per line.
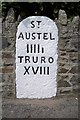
(56, 107)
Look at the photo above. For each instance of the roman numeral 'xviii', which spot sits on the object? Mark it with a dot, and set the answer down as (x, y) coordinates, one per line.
(40, 70)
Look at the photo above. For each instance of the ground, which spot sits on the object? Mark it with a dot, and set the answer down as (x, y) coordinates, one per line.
(56, 107)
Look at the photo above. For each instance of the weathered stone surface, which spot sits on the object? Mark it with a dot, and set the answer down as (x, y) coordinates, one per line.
(75, 23)
(1, 62)
(76, 89)
(19, 19)
(8, 91)
(70, 31)
(63, 54)
(62, 17)
(71, 48)
(8, 62)
(9, 30)
(73, 57)
(0, 33)
(0, 78)
(78, 68)
(8, 78)
(62, 31)
(73, 27)
(74, 69)
(0, 25)
(75, 39)
(64, 90)
(78, 79)
(4, 42)
(8, 94)
(64, 59)
(10, 16)
(63, 70)
(61, 64)
(0, 54)
(8, 54)
(75, 44)
(62, 45)
(79, 45)
(63, 36)
(62, 48)
(4, 30)
(62, 77)
(63, 83)
(7, 69)
(0, 88)
(74, 80)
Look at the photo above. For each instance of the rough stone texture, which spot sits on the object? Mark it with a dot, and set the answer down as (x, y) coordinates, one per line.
(74, 70)
(62, 17)
(8, 55)
(68, 53)
(9, 89)
(0, 33)
(63, 83)
(9, 31)
(1, 64)
(69, 35)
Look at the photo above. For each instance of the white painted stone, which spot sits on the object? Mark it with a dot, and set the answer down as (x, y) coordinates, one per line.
(41, 84)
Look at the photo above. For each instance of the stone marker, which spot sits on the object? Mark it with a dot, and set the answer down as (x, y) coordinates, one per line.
(36, 58)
